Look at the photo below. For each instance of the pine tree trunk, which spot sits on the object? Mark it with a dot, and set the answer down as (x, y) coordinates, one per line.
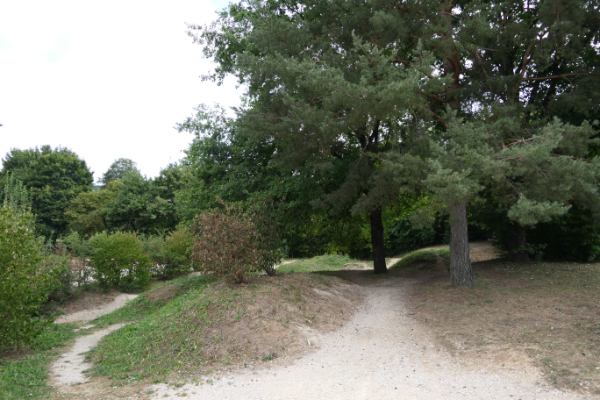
(517, 241)
(377, 241)
(460, 264)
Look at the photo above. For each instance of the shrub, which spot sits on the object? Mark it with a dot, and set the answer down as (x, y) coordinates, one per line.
(171, 256)
(178, 252)
(24, 283)
(120, 261)
(226, 244)
(54, 257)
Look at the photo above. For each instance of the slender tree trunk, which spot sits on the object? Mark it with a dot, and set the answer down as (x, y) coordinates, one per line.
(377, 241)
(460, 264)
(516, 244)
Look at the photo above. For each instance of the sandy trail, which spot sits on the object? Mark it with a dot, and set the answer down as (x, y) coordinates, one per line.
(68, 368)
(88, 315)
(380, 353)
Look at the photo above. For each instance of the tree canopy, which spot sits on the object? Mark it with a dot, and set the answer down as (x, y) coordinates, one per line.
(403, 89)
(118, 170)
(53, 178)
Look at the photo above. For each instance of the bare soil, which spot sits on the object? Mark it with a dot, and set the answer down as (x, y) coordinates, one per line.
(382, 353)
(274, 317)
(546, 313)
(87, 300)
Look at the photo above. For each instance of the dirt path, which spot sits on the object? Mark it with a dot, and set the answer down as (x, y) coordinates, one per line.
(88, 315)
(68, 368)
(381, 353)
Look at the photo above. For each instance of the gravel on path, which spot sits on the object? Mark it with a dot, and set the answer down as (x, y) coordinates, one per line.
(69, 367)
(88, 315)
(379, 354)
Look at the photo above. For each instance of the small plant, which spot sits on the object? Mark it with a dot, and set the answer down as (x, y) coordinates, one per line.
(120, 261)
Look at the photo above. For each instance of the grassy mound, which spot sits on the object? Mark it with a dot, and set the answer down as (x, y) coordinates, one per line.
(425, 260)
(328, 262)
(222, 326)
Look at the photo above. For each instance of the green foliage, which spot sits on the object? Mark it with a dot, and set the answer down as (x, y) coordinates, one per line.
(403, 237)
(171, 256)
(127, 209)
(226, 243)
(53, 177)
(120, 261)
(15, 195)
(423, 257)
(266, 218)
(119, 169)
(574, 236)
(144, 205)
(25, 282)
(86, 212)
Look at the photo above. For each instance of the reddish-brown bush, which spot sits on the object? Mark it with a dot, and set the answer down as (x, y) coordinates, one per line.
(226, 244)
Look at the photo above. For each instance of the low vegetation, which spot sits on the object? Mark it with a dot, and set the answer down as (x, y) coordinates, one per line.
(24, 374)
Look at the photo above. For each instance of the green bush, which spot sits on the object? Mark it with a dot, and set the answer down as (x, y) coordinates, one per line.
(55, 258)
(120, 261)
(24, 282)
(171, 256)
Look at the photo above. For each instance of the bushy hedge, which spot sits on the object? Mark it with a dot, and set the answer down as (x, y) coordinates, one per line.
(24, 283)
(120, 261)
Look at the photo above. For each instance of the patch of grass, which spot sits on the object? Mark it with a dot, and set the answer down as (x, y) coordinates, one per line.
(146, 304)
(328, 262)
(423, 257)
(553, 308)
(27, 377)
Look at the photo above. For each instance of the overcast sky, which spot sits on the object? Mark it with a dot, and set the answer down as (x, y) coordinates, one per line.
(106, 79)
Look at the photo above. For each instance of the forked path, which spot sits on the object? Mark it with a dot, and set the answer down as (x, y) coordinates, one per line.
(379, 354)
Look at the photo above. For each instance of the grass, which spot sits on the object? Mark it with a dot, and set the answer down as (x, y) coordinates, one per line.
(24, 374)
(155, 344)
(422, 257)
(25, 377)
(328, 262)
(146, 304)
(549, 311)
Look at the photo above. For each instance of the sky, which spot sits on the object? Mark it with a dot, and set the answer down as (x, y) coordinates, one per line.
(105, 79)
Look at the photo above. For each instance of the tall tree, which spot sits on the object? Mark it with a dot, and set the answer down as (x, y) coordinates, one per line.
(119, 169)
(224, 162)
(331, 80)
(529, 61)
(53, 178)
